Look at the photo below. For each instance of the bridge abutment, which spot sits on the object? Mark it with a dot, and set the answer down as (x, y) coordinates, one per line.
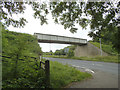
(88, 50)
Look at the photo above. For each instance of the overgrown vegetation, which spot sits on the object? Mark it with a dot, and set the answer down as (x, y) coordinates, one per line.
(19, 70)
(71, 51)
(106, 48)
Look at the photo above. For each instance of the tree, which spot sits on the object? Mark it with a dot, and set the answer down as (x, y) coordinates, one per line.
(50, 52)
(60, 52)
(70, 53)
(101, 16)
(8, 9)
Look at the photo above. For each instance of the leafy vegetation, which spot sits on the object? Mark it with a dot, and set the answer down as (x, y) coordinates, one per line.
(106, 48)
(19, 70)
(62, 75)
(60, 52)
(71, 51)
(67, 51)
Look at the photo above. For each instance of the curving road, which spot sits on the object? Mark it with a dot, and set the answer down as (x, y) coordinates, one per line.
(105, 75)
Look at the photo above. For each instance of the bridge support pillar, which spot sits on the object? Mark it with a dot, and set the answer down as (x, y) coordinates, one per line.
(88, 50)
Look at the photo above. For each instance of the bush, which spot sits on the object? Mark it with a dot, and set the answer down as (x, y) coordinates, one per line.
(23, 73)
(70, 53)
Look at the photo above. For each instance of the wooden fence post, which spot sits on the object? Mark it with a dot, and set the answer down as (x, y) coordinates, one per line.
(47, 73)
(40, 65)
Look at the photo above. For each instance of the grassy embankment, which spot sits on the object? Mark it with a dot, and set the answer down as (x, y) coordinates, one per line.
(25, 73)
(106, 48)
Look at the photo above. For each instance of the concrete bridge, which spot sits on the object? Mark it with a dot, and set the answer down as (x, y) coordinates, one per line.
(83, 47)
(48, 38)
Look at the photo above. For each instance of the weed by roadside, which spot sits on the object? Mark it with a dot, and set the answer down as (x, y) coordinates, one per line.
(62, 75)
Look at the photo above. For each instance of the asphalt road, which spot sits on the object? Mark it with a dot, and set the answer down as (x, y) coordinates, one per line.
(105, 75)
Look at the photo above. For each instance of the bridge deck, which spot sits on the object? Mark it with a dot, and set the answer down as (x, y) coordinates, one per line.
(48, 38)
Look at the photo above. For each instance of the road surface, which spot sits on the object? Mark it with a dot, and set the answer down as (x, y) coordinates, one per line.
(105, 75)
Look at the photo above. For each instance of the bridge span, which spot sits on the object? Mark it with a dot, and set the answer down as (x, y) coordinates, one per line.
(48, 38)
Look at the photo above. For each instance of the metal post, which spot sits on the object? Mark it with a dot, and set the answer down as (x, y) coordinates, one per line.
(100, 47)
(47, 73)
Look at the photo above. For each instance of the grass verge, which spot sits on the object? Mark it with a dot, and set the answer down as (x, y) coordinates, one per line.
(62, 75)
(106, 48)
(112, 59)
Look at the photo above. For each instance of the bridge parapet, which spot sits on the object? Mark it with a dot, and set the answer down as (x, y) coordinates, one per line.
(48, 38)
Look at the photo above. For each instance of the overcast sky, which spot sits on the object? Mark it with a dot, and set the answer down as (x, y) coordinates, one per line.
(33, 26)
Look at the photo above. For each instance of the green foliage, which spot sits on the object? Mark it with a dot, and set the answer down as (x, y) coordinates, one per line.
(106, 48)
(10, 8)
(23, 44)
(116, 40)
(61, 75)
(48, 53)
(60, 52)
(18, 73)
(71, 51)
(65, 13)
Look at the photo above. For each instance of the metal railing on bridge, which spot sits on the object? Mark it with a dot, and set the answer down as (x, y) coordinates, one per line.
(48, 38)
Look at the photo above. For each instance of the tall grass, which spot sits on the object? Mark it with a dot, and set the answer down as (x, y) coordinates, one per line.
(106, 48)
(61, 75)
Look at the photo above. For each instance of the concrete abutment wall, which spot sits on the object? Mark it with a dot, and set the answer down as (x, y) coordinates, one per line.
(88, 50)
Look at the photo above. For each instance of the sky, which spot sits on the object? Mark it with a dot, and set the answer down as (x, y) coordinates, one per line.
(33, 26)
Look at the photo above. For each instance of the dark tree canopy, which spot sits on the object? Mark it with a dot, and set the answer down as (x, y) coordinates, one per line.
(100, 16)
(7, 9)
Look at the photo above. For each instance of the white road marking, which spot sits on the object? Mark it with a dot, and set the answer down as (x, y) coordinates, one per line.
(83, 67)
(89, 70)
(86, 69)
(99, 65)
(75, 66)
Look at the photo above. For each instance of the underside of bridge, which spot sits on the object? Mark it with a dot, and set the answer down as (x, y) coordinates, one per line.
(60, 42)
